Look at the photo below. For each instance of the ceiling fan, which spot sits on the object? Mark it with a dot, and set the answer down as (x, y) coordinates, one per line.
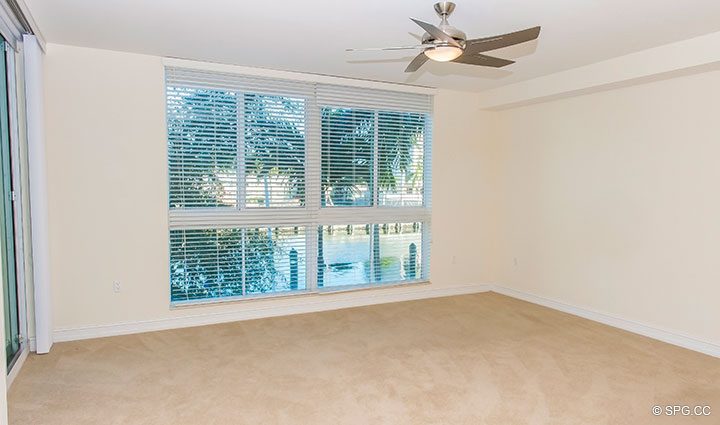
(445, 43)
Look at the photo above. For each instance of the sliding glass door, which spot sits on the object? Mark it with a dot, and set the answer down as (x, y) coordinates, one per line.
(7, 223)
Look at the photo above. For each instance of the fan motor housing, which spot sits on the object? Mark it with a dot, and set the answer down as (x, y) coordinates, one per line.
(447, 29)
(444, 9)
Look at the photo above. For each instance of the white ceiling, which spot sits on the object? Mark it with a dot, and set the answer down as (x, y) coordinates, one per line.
(311, 35)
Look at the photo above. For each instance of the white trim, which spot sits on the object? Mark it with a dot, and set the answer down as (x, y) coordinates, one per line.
(34, 27)
(683, 57)
(306, 305)
(297, 76)
(15, 21)
(328, 290)
(15, 370)
(11, 28)
(628, 325)
(200, 218)
(38, 191)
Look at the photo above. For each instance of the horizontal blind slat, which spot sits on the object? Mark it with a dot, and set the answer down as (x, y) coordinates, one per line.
(356, 97)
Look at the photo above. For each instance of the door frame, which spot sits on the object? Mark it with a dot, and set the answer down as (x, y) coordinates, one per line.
(16, 169)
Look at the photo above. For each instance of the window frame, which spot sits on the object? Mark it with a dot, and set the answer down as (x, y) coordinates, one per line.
(312, 215)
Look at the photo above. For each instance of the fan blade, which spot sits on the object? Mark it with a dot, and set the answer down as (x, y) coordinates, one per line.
(485, 44)
(416, 63)
(483, 60)
(437, 33)
(374, 49)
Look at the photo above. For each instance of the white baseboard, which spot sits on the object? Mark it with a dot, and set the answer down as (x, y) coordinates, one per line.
(627, 325)
(378, 296)
(309, 304)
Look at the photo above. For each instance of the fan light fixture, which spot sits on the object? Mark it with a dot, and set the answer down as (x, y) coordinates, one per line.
(443, 53)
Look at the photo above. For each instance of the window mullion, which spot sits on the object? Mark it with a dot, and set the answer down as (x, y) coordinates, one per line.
(313, 189)
(427, 162)
(376, 149)
(243, 268)
(241, 184)
(427, 197)
(375, 239)
(241, 172)
(426, 242)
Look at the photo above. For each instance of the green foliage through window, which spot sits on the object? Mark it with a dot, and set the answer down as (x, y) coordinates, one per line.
(218, 263)
(202, 148)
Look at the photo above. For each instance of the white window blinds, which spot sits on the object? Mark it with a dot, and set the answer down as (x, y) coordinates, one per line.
(280, 186)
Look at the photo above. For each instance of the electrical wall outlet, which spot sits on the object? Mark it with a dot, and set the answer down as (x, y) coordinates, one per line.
(116, 286)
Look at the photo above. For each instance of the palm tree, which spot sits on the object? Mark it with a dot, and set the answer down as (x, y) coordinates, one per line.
(348, 138)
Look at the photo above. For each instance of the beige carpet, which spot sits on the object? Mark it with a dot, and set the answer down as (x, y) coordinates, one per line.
(474, 359)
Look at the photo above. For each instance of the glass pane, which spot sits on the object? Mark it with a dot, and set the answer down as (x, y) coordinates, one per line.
(369, 253)
(400, 159)
(344, 255)
(400, 252)
(274, 151)
(348, 137)
(274, 259)
(202, 147)
(205, 263)
(219, 263)
(7, 225)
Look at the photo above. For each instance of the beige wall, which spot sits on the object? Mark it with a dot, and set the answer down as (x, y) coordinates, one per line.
(607, 200)
(106, 153)
(464, 193)
(611, 203)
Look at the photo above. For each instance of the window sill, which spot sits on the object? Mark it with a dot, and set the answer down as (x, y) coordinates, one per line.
(181, 305)
(355, 288)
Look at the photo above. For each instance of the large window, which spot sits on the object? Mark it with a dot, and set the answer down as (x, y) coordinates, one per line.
(279, 186)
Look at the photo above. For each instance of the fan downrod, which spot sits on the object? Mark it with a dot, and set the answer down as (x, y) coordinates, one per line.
(444, 8)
